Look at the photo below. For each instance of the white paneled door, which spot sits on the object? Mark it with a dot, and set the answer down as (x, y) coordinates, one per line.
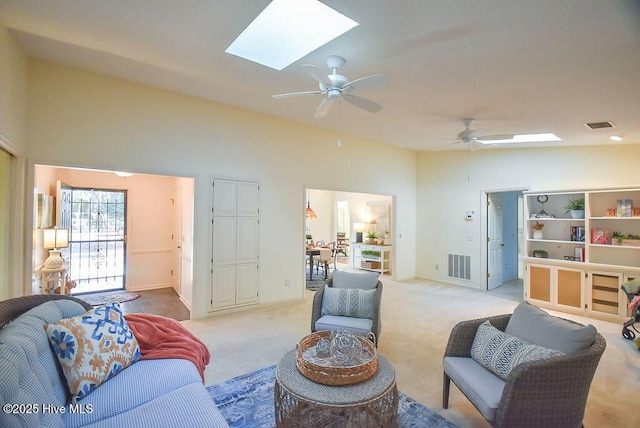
(235, 250)
(495, 244)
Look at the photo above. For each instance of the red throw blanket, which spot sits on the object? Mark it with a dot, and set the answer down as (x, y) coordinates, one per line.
(160, 337)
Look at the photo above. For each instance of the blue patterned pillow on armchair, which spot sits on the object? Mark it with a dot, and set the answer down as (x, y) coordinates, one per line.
(93, 347)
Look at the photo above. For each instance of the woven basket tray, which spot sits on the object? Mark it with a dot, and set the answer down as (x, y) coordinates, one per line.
(335, 375)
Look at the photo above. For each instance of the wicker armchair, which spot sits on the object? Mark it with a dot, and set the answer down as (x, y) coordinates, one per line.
(13, 308)
(317, 308)
(545, 393)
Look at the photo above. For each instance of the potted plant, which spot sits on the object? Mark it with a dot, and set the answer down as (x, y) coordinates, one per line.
(619, 238)
(575, 207)
(537, 232)
(371, 254)
(540, 254)
(371, 237)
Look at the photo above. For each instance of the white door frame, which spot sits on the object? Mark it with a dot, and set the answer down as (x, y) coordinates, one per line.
(484, 232)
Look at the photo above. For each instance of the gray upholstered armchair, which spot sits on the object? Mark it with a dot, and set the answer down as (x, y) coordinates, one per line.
(329, 312)
(546, 392)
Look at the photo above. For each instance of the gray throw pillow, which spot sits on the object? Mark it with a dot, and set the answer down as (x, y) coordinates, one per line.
(365, 280)
(348, 302)
(500, 352)
(534, 325)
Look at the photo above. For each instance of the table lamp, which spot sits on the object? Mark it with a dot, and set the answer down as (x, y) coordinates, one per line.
(55, 239)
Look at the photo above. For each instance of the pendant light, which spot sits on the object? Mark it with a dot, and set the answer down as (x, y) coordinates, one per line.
(309, 212)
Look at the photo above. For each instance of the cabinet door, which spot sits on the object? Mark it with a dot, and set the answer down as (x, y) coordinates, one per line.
(224, 241)
(223, 287)
(539, 283)
(569, 288)
(224, 197)
(247, 199)
(247, 283)
(247, 240)
(604, 293)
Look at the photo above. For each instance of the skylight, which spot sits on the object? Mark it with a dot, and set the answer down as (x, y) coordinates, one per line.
(525, 138)
(287, 30)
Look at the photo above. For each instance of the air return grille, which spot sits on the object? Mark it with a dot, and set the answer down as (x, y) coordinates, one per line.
(459, 266)
(600, 125)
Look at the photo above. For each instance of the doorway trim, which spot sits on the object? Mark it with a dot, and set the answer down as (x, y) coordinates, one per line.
(484, 230)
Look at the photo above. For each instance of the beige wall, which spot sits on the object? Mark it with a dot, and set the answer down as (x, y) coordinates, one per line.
(83, 119)
(13, 89)
(444, 194)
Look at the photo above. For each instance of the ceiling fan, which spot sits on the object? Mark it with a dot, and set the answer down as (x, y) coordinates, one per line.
(336, 86)
(473, 142)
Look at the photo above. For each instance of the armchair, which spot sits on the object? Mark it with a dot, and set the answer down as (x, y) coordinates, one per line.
(325, 317)
(548, 392)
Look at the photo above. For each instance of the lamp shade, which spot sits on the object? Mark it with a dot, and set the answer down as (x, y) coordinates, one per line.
(358, 227)
(310, 213)
(56, 238)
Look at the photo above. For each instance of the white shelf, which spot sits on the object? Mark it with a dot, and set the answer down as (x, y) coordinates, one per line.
(607, 264)
(559, 241)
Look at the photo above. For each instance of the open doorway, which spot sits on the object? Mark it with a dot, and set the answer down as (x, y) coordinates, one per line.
(342, 221)
(144, 222)
(505, 239)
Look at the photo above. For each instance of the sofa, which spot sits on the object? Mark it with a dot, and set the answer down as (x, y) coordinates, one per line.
(34, 391)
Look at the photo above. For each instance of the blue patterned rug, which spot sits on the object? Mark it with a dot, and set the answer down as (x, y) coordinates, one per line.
(247, 401)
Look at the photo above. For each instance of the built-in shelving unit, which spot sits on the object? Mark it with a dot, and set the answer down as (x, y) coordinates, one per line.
(578, 264)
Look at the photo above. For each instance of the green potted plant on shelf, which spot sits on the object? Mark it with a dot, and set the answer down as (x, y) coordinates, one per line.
(372, 237)
(619, 238)
(575, 207)
(371, 254)
(543, 254)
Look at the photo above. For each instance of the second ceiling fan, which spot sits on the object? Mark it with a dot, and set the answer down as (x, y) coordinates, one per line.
(336, 86)
(473, 142)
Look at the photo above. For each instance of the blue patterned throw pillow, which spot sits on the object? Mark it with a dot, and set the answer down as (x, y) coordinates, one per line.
(93, 347)
(500, 352)
(348, 302)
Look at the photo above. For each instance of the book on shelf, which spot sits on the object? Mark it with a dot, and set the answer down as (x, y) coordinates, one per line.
(577, 233)
(624, 208)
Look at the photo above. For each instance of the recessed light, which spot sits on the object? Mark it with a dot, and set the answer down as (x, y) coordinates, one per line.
(616, 137)
(525, 138)
(287, 30)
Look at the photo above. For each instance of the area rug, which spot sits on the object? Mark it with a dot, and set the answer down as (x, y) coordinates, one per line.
(108, 297)
(247, 401)
(316, 281)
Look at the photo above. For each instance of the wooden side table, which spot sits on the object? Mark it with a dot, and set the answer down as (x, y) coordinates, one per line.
(54, 278)
(300, 402)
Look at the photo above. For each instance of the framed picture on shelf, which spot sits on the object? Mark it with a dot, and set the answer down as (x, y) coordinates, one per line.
(600, 236)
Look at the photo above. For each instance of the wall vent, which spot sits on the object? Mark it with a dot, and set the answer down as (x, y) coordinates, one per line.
(600, 125)
(459, 266)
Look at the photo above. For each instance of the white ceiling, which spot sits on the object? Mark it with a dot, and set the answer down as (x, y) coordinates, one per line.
(516, 66)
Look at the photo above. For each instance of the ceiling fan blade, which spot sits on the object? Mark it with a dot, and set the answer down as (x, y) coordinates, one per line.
(448, 145)
(317, 73)
(294, 94)
(368, 82)
(494, 137)
(362, 103)
(325, 106)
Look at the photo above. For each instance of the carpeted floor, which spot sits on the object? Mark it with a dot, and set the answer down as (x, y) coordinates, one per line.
(98, 299)
(247, 401)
